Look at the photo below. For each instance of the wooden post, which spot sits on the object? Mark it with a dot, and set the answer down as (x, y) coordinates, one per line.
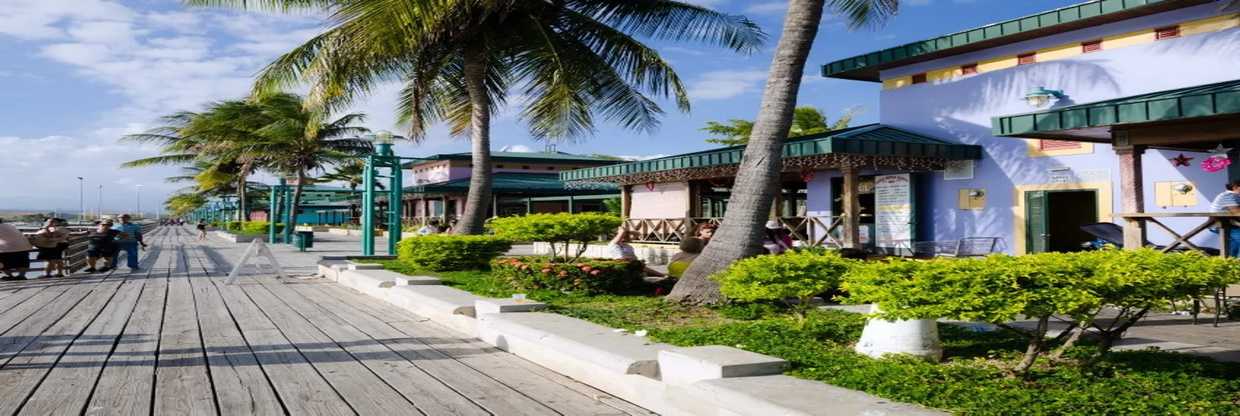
(852, 209)
(570, 204)
(1131, 191)
(494, 205)
(626, 201)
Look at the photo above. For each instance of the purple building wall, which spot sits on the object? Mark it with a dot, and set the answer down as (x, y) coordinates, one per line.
(960, 111)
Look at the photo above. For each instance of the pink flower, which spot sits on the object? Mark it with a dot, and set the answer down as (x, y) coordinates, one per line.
(1215, 163)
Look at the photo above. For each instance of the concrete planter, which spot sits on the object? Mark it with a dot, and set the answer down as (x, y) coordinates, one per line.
(919, 338)
(238, 238)
(652, 254)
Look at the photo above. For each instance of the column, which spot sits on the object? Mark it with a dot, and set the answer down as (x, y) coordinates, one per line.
(852, 209)
(1131, 192)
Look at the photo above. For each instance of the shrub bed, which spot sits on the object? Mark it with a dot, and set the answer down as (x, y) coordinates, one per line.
(587, 275)
(568, 234)
(451, 252)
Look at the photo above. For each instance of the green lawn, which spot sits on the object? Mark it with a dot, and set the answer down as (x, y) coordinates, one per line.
(971, 380)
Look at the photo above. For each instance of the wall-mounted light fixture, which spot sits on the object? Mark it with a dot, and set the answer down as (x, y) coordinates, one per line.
(1041, 97)
(1184, 188)
(976, 193)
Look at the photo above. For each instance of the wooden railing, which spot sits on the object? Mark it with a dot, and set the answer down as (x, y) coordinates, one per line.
(1223, 222)
(810, 231)
(75, 255)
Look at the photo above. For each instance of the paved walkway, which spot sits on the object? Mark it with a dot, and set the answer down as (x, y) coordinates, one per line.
(174, 339)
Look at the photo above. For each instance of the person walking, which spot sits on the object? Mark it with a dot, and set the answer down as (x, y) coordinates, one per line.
(51, 241)
(14, 252)
(202, 230)
(129, 240)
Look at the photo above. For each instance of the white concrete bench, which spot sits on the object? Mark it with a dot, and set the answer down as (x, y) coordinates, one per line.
(330, 269)
(371, 282)
(558, 341)
(692, 364)
(784, 395)
(446, 305)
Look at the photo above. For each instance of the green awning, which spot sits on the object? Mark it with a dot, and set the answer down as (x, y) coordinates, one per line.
(1092, 122)
(513, 184)
(874, 140)
(1088, 14)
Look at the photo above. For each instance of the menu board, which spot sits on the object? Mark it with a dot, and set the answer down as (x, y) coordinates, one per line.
(893, 209)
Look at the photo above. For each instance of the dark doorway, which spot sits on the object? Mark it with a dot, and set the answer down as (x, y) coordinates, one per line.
(1054, 219)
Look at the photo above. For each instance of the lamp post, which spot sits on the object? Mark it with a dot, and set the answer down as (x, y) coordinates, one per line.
(139, 194)
(383, 157)
(82, 198)
(99, 207)
(1042, 97)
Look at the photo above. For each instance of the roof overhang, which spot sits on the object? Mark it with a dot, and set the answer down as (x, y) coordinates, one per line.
(1182, 118)
(1092, 13)
(870, 145)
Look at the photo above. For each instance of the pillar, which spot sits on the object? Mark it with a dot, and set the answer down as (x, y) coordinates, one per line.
(1131, 192)
(852, 209)
(626, 201)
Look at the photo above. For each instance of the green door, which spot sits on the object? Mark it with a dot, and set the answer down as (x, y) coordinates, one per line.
(1036, 234)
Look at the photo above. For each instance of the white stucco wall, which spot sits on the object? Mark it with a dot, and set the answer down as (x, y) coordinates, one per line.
(666, 200)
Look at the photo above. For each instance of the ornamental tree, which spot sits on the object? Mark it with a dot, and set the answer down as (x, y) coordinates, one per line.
(561, 230)
(796, 276)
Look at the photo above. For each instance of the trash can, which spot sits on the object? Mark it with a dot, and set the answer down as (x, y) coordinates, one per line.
(303, 240)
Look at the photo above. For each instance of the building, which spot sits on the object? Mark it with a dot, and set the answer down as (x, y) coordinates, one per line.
(1078, 114)
(523, 182)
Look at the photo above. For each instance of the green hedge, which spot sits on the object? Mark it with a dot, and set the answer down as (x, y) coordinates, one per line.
(798, 276)
(259, 227)
(566, 233)
(592, 276)
(451, 252)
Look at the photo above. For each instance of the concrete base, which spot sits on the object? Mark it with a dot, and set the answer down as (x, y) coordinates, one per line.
(784, 395)
(371, 282)
(448, 306)
(417, 280)
(652, 254)
(690, 365)
(507, 306)
(236, 238)
(919, 338)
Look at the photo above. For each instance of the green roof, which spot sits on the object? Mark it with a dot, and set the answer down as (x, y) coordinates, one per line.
(514, 184)
(868, 140)
(528, 157)
(1217, 99)
(1092, 13)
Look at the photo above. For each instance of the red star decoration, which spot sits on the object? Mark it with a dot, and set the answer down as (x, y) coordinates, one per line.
(1181, 160)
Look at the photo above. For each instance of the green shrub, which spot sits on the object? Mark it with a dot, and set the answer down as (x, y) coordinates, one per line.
(451, 252)
(795, 275)
(560, 230)
(259, 227)
(587, 276)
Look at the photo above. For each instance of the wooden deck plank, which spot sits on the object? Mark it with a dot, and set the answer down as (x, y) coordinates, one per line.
(66, 389)
(300, 387)
(430, 395)
(126, 385)
(182, 382)
(553, 390)
(240, 384)
(365, 392)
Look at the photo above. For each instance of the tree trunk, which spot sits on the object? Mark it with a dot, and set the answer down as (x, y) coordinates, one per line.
(243, 214)
(479, 195)
(291, 224)
(757, 181)
(1037, 344)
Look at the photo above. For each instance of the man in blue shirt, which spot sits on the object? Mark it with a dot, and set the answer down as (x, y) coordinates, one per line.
(1229, 202)
(130, 238)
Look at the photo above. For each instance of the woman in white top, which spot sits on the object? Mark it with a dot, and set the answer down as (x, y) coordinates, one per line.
(620, 248)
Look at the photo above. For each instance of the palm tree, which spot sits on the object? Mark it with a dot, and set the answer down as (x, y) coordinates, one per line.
(573, 60)
(352, 173)
(757, 181)
(183, 203)
(299, 141)
(805, 121)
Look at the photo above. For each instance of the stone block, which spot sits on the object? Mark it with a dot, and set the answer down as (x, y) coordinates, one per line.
(365, 266)
(507, 306)
(693, 364)
(784, 395)
(407, 280)
(572, 341)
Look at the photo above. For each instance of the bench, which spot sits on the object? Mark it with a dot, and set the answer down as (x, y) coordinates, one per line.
(557, 341)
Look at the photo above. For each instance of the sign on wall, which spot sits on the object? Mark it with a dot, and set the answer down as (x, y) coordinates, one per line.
(958, 170)
(893, 206)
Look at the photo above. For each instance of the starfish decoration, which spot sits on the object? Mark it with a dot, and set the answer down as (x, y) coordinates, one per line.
(1180, 160)
(1221, 149)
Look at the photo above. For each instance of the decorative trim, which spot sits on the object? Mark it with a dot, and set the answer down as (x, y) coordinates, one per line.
(791, 165)
(1140, 37)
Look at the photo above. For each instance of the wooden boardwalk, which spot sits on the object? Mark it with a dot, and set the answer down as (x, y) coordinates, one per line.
(173, 339)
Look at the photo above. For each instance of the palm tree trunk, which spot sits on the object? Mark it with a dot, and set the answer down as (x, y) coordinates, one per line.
(291, 223)
(479, 196)
(243, 214)
(757, 181)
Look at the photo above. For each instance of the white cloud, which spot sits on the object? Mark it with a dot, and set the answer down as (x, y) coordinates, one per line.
(49, 168)
(719, 85)
(517, 148)
(39, 19)
(772, 7)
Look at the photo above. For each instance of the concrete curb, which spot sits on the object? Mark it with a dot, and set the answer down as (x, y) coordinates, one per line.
(708, 380)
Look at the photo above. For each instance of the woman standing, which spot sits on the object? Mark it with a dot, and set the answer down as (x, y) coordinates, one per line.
(51, 241)
(14, 252)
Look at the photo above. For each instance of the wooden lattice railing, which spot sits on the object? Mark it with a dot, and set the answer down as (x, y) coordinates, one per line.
(810, 231)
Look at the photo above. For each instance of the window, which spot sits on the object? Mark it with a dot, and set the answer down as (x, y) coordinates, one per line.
(526, 167)
(550, 167)
(969, 69)
(1091, 46)
(919, 79)
(1026, 59)
(1167, 32)
(1057, 145)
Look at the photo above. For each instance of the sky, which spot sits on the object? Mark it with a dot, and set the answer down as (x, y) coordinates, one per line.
(76, 75)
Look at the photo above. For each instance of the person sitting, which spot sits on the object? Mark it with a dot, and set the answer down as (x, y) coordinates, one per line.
(102, 245)
(620, 248)
(14, 252)
(707, 232)
(689, 250)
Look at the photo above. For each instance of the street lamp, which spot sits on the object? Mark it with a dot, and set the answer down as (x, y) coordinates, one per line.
(1042, 97)
(139, 192)
(82, 198)
(382, 158)
(99, 206)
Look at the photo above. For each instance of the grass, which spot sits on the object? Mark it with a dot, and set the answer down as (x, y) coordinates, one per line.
(972, 380)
